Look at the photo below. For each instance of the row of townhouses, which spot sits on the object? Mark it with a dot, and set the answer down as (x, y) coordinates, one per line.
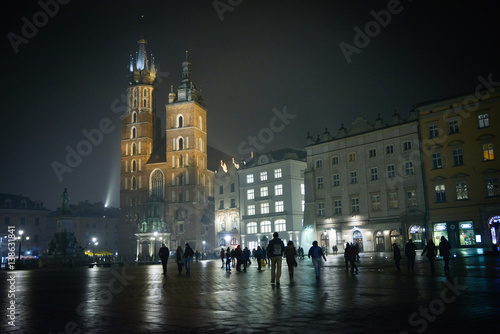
(429, 175)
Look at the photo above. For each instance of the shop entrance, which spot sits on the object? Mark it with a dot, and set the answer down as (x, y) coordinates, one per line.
(379, 242)
(357, 238)
(396, 238)
(416, 234)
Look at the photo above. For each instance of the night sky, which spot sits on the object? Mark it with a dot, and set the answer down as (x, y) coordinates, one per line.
(249, 58)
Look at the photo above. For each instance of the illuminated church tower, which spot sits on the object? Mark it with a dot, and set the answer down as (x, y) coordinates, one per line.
(190, 184)
(166, 191)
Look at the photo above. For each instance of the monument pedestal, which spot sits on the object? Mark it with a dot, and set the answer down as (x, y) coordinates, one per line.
(65, 223)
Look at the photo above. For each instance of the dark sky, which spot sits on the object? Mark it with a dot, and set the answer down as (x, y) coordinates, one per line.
(263, 55)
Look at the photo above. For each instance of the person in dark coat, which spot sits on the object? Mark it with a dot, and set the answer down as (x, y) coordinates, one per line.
(163, 254)
(238, 255)
(228, 259)
(397, 256)
(179, 259)
(346, 258)
(444, 251)
(290, 253)
(431, 251)
(352, 255)
(222, 256)
(259, 254)
(410, 252)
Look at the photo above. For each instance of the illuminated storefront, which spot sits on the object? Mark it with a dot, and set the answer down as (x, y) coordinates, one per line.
(494, 227)
(458, 233)
(417, 236)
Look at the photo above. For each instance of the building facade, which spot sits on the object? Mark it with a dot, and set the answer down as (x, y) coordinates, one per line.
(272, 197)
(166, 190)
(460, 137)
(227, 205)
(31, 217)
(365, 185)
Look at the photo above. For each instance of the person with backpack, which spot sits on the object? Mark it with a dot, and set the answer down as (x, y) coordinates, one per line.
(275, 251)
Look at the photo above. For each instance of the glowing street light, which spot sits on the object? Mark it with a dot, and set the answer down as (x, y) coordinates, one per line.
(95, 243)
(21, 232)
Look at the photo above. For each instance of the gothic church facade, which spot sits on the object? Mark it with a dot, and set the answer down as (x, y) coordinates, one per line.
(166, 190)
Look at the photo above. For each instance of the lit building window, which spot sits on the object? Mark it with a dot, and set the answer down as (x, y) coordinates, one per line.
(264, 192)
(352, 157)
(461, 191)
(411, 197)
(264, 208)
(374, 173)
(250, 194)
(483, 120)
(277, 173)
(488, 153)
(250, 178)
(252, 228)
(440, 193)
(265, 227)
(251, 210)
(263, 176)
(280, 225)
(492, 187)
(279, 206)
(302, 189)
(278, 189)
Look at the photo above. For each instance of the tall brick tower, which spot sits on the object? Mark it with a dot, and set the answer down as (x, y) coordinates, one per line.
(190, 184)
(137, 144)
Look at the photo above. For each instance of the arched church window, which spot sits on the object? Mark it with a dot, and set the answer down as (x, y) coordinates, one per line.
(133, 133)
(181, 163)
(134, 183)
(181, 144)
(145, 92)
(145, 103)
(134, 117)
(157, 184)
(134, 149)
(180, 121)
(134, 166)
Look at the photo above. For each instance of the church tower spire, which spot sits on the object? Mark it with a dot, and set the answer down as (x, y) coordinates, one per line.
(187, 90)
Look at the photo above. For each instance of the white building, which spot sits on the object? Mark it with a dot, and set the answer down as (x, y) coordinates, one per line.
(365, 185)
(272, 197)
(227, 208)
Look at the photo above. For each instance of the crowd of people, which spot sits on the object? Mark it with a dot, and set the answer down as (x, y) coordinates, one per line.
(273, 255)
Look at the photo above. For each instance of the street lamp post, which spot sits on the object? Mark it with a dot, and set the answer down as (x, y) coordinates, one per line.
(154, 253)
(94, 243)
(21, 232)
